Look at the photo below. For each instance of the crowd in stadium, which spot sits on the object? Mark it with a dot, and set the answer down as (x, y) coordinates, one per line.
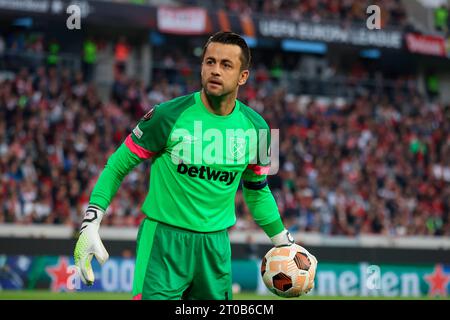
(377, 164)
(322, 10)
(345, 11)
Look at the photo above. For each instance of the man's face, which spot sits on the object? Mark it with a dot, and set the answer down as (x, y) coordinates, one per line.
(221, 69)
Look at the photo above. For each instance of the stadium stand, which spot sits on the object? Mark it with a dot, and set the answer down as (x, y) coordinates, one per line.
(368, 166)
(375, 162)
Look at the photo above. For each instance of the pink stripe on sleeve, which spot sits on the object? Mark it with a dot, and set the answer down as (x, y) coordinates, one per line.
(138, 297)
(259, 170)
(137, 149)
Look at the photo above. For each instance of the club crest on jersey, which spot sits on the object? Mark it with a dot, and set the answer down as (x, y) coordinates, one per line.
(149, 114)
(237, 147)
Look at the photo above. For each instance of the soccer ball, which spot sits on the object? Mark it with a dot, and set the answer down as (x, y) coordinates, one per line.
(289, 271)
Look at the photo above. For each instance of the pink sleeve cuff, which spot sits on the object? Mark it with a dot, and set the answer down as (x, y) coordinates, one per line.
(259, 170)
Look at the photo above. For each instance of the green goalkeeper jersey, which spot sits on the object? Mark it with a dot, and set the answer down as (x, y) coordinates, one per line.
(199, 159)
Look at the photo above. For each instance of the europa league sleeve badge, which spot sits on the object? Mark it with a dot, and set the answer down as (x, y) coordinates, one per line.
(149, 114)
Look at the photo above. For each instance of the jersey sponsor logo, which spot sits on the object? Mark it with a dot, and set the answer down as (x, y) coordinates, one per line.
(204, 172)
(138, 132)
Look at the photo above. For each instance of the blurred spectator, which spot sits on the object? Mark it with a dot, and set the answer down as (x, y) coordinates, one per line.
(53, 57)
(441, 18)
(121, 54)
(89, 58)
(432, 85)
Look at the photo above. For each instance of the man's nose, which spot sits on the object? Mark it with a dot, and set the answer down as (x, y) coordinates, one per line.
(215, 71)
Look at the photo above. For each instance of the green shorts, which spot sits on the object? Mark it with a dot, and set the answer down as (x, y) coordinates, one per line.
(173, 264)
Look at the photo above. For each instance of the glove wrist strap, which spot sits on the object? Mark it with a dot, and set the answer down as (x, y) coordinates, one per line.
(93, 215)
(284, 238)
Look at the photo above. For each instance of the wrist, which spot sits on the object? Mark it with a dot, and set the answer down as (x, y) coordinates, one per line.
(284, 238)
(92, 216)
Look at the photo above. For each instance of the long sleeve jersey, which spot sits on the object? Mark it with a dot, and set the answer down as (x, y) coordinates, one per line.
(198, 161)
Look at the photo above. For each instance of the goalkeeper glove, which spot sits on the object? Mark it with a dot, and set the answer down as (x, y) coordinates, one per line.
(282, 239)
(90, 244)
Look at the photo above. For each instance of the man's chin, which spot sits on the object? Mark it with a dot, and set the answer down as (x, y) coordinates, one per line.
(213, 93)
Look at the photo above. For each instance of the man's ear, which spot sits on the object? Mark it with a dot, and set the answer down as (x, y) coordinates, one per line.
(243, 77)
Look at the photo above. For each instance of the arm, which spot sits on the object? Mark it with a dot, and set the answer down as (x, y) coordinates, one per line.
(119, 164)
(264, 210)
(134, 150)
(256, 192)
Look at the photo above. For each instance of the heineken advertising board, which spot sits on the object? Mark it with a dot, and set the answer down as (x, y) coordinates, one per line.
(57, 273)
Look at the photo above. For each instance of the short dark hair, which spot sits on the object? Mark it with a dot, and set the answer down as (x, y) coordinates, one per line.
(227, 37)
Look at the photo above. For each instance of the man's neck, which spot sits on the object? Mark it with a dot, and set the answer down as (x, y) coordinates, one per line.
(221, 106)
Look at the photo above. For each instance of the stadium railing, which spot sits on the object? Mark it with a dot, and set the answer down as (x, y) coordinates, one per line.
(14, 60)
(239, 236)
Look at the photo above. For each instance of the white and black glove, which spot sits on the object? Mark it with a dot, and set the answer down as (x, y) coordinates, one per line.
(90, 244)
(282, 239)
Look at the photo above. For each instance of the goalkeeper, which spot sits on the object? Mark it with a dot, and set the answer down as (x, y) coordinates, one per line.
(183, 249)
